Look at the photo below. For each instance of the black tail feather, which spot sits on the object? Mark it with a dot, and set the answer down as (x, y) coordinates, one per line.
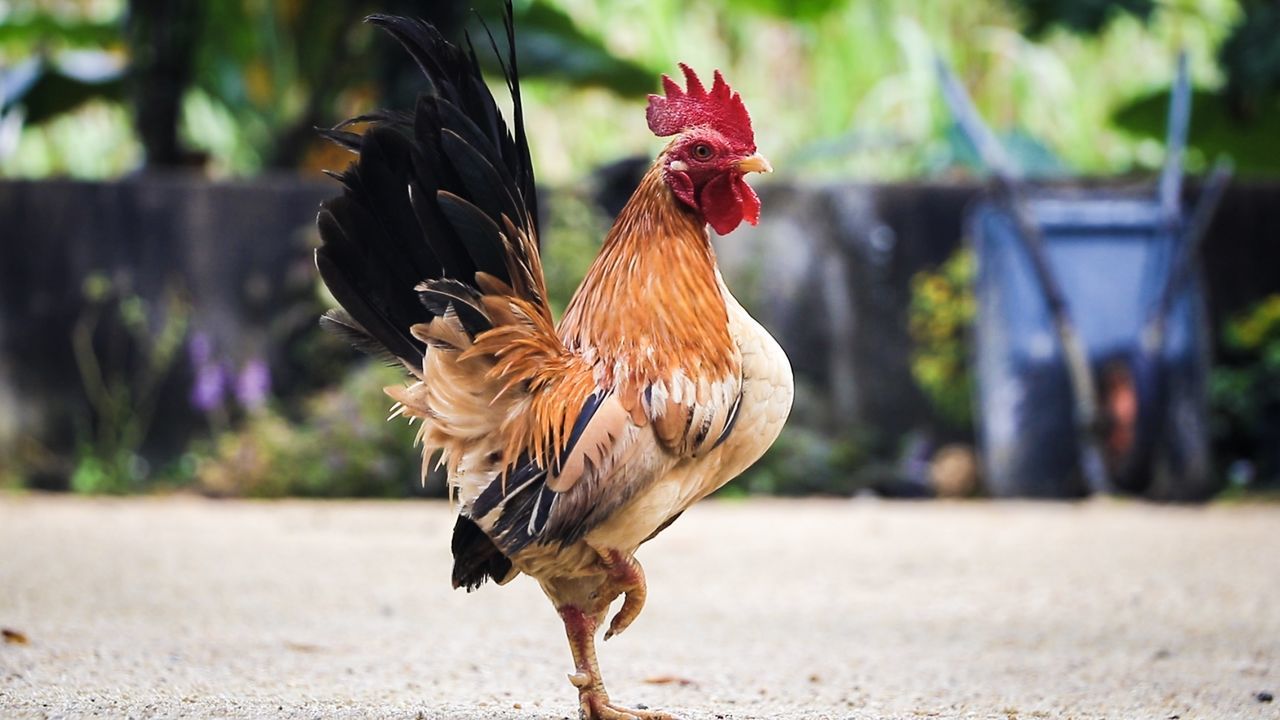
(343, 269)
(477, 233)
(443, 296)
(475, 557)
(342, 138)
(456, 78)
(426, 198)
(340, 323)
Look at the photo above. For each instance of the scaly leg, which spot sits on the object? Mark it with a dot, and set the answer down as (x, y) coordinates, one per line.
(593, 699)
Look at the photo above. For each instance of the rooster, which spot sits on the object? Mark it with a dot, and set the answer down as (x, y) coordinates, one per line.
(566, 446)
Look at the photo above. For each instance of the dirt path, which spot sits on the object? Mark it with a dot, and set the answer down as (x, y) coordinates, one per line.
(812, 609)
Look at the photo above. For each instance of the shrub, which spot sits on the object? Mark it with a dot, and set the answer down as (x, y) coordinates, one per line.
(942, 311)
(1245, 394)
(341, 446)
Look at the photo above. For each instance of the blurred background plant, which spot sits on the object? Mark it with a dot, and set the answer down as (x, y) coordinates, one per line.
(97, 87)
(94, 88)
(942, 311)
(338, 444)
(125, 352)
(1245, 388)
(100, 89)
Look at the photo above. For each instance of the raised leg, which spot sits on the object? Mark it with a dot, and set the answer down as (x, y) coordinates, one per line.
(627, 577)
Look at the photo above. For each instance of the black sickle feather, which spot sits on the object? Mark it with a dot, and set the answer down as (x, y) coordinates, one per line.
(440, 296)
(456, 77)
(343, 267)
(341, 138)
(426, 197)
(520, 142)
(342, 325)
(478, 233)
(384, 168)
(455, 262)
(482, 180)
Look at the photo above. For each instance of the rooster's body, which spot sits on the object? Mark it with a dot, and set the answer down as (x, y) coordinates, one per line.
(566, 447)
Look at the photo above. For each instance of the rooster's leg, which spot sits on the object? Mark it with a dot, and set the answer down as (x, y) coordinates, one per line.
(593, 699)
(627, 577)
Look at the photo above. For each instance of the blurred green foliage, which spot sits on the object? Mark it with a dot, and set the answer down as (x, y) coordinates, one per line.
(1241, 117)
(805, 461)
(551, 45)
(837, 87)
(253, 79)
(573, 231)
(1081, 16)
(847, 88)
(1253, 143)
(941, 314)
(53, 91)
(1245, 389)
(1250, 59)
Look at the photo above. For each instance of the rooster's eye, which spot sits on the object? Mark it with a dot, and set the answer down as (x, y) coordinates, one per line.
(701, 151)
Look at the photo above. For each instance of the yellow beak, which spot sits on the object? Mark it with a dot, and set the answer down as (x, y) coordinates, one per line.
(754, 163)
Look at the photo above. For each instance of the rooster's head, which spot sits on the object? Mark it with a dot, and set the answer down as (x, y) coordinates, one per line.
(714, 148)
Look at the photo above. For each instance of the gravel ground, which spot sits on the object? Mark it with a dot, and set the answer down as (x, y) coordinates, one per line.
(765, 609)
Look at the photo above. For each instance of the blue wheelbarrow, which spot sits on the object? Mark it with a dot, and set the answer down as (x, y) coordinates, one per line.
(1091, 347)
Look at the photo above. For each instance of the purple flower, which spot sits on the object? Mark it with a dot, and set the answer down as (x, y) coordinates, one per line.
(253, 385)
(209, 386)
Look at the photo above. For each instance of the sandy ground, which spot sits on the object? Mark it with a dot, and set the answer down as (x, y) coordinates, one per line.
(813, 609)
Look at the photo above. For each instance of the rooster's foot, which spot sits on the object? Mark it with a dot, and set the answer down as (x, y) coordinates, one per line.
(595, 705)
(627, 575)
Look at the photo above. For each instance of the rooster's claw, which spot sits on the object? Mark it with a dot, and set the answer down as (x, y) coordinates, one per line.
(628, 577)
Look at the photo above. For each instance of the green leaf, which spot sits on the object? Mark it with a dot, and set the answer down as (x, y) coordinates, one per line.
(1084, 17)
(550, 44)
(801, 10)
(40, 28)
(55, 93)
(1253, 144)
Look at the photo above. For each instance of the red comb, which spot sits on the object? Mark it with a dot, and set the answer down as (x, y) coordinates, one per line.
(720, 109)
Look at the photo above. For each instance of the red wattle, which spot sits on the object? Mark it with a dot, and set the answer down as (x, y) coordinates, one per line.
(726, 200)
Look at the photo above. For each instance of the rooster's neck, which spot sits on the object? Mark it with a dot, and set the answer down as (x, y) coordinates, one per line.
(652, 299)
(654, 215)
